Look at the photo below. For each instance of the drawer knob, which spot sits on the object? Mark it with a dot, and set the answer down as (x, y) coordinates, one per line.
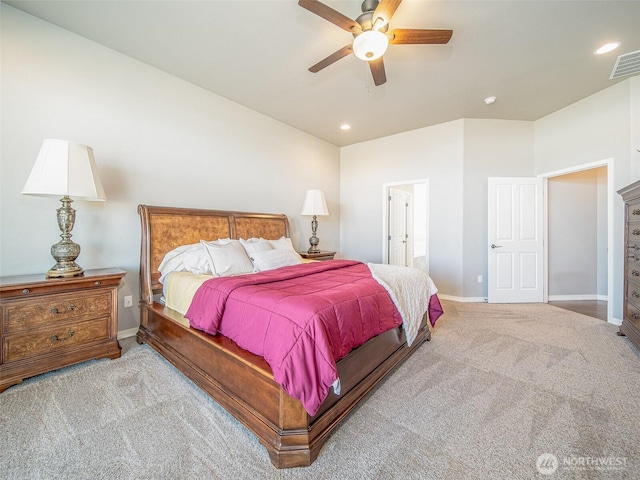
(635, 294)
(636, 211)
(26, 290)
(69, 335)
(70, 308)
(97, 282)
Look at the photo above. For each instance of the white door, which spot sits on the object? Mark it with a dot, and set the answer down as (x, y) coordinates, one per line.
(515, 227)
(398, 233)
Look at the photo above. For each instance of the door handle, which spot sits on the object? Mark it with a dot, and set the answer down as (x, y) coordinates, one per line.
(493, 245)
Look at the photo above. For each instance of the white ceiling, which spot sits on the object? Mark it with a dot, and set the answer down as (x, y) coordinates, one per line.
(535, 56)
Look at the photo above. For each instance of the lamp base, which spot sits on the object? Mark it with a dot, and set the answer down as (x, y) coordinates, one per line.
(65, 271)
(314, 240)
(65, 251)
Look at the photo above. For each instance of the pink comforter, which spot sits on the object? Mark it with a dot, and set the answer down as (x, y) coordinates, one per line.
(302, 319)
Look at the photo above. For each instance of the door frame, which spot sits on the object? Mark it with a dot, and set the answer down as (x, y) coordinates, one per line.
(609, 163)
(385, 216)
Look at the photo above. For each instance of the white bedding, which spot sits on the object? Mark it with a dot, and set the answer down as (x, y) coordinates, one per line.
(179, 289)
(410, 289)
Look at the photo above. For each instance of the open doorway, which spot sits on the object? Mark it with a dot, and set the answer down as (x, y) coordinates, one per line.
(406, 223)
(579, 233)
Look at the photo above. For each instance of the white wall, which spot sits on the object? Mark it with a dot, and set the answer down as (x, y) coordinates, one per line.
(435, 153)
(492, 148)
(157, 140)
(635, 126)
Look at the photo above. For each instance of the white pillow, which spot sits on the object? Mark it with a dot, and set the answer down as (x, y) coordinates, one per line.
(270, 259)
(220, 241)
(253, 245)
(228, 259)
(283, 243)
(173, 261)
(196, 261)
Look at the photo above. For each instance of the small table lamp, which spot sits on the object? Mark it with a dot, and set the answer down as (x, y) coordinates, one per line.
(314, 204)
(67, 169)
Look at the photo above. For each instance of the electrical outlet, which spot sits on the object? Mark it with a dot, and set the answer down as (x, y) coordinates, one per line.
(479, 278)
(128, 301)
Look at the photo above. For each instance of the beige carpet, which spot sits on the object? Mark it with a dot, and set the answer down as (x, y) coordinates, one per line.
(501, 391)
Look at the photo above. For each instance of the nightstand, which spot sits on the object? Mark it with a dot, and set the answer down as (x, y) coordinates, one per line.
(322, 255)
(50, 323)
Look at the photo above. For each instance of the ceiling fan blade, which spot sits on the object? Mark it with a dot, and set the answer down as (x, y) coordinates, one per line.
(334, 57)
(422, 37)
(377, 70)
(385, 10)
(328, 13)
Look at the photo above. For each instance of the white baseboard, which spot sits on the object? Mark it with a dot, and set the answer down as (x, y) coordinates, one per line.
(552, 298)
(462, 299)
(615, 321)
(130, 332)
(562, 298)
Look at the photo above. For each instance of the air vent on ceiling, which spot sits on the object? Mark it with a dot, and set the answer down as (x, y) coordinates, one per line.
(627, 64)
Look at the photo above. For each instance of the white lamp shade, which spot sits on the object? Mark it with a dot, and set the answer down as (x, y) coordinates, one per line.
(314, 203)
(65, 168)
(370, 45)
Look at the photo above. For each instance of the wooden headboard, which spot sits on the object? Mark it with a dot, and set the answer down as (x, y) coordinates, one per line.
(165, 228)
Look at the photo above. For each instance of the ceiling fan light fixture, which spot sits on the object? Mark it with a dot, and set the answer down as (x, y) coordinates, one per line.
(370, 45)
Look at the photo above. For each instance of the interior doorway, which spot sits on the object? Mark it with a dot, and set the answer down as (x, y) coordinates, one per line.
(579, 231)
(406, 224)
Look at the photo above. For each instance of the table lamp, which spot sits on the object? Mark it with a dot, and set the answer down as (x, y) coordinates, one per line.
(314, 204)
(65, 169)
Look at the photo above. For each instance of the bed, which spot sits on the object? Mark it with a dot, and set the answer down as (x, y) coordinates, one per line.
(241, 382)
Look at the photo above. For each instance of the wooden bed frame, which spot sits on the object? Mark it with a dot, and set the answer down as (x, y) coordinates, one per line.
(239, 381)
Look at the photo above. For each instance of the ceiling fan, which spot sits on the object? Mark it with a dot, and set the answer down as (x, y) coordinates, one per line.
(371, 34)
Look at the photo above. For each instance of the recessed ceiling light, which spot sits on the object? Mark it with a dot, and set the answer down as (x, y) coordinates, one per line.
(489, 100)
(345, 126)
(606, 48)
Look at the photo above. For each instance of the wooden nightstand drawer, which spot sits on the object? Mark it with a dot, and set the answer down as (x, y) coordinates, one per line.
(17, 347)
(25, 314)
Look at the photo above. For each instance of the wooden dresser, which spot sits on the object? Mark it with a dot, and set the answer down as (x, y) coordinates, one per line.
(631, 321)
(52, 323)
